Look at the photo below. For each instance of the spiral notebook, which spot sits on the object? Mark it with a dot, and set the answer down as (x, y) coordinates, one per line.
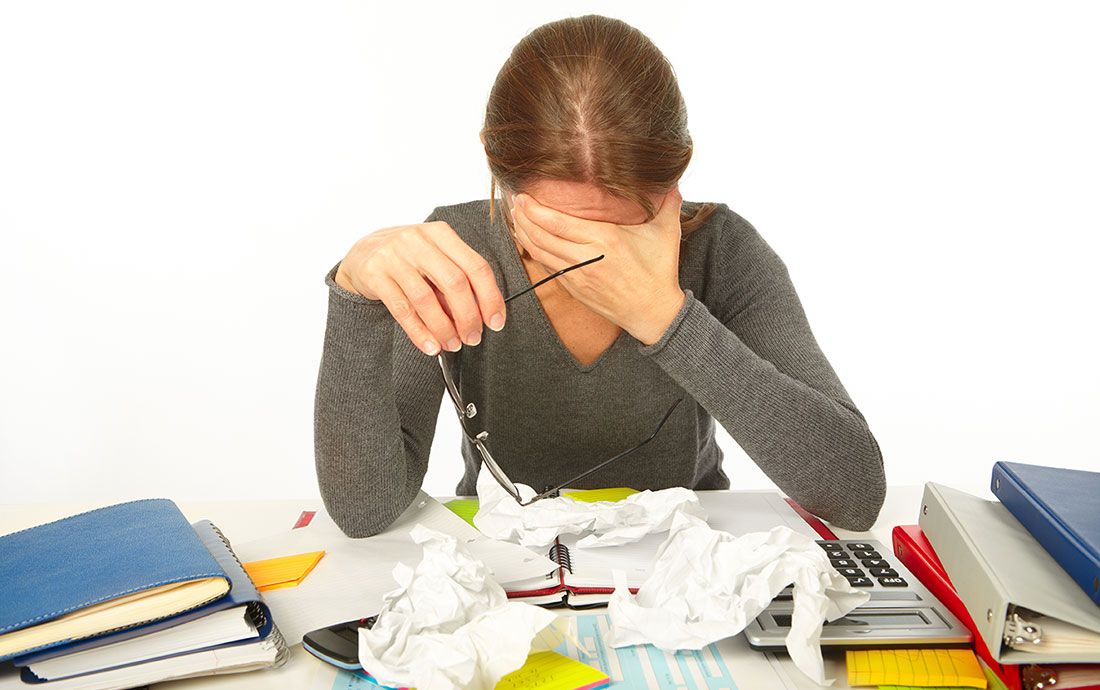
(234, 633)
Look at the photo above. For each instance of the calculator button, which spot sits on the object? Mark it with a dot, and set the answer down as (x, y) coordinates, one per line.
(837, 553)
(866, 554)
(859, 546)
(850, 572)
(860, 582)
(843, 563)
(883, 572)
(875, 563)
(830, 545)
(892, 582)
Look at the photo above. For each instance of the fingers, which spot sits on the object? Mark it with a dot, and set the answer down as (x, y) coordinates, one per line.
(479, 274)
(562, 225)
(544, 257)
(421, 295)
(403, 312)
(440, 291)
(452, 281)
(537, 239)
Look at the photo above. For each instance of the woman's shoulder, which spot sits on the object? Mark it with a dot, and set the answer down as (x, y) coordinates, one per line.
(726, 254)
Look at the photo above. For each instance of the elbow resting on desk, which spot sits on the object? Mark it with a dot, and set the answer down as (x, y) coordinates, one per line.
(855, 505)
(362, 501)
(362, 519)
(859, 516)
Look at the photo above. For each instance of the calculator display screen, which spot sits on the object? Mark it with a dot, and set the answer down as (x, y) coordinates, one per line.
(870, 619)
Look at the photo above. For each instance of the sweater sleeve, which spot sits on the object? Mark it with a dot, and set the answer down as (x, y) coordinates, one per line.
(375, 410)
(755, 366)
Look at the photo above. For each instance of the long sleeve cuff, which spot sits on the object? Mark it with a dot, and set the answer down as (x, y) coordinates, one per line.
(340, 291)
(656, 347)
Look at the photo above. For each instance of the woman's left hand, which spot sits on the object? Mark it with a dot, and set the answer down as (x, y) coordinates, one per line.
(635, 286)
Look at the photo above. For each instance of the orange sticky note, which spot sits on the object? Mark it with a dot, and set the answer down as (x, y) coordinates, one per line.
(285, 571)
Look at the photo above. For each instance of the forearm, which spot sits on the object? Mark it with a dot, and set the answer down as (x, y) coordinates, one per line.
(366, 473)
(817, 449)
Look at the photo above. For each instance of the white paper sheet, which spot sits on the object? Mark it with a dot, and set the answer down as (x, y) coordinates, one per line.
(349, 582)
(707, 585)
(606, 523)
(449, 625)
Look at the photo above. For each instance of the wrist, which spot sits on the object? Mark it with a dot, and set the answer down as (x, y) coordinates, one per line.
(656, 320)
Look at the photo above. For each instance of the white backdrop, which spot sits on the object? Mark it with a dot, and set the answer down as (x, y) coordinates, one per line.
(177, 177)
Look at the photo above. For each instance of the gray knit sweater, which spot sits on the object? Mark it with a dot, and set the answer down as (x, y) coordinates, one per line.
(740, 351)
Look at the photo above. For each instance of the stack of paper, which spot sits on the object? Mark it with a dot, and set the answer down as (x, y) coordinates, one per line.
(128, 595)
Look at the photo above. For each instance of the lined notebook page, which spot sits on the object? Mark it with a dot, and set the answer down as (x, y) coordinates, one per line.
(592, 566)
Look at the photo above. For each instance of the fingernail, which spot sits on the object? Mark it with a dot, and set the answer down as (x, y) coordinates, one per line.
(496, 321)
(431, 347)
(454, 344)
(474, 338)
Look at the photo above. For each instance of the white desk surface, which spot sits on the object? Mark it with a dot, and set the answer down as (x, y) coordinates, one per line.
(243, 521)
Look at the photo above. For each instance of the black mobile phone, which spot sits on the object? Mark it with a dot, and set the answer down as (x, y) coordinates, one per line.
(338, 644)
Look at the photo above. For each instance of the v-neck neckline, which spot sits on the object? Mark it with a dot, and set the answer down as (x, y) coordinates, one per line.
(520, 271)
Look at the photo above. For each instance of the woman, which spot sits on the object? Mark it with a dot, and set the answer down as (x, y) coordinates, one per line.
(586, 128)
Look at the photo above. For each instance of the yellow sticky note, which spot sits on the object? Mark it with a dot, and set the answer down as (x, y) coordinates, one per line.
(285, 571)
(552, 671)
(593, 495)
(915, 667)
(465, 508)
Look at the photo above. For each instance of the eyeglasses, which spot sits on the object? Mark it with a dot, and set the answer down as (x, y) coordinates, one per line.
(467, 410)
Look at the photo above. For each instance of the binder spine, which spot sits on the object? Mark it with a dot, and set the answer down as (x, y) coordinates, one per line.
(559, 553)
(976, 584)
(919, 558)
(257, 612)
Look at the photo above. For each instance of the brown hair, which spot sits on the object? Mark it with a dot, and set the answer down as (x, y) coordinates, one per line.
(590, 99)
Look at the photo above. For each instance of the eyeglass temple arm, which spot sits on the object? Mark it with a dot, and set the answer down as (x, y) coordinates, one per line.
(551, 277)
(552, 492)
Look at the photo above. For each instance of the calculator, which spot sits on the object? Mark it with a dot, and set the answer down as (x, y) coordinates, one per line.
(900, 613)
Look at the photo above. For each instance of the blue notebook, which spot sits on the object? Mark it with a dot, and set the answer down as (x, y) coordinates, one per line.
(1061, 509)
(105, 563)
(243, 593)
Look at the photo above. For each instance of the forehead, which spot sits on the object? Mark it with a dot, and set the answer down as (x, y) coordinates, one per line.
(586, 200)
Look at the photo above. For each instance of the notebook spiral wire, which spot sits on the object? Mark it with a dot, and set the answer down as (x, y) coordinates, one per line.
(559, 553)
(256, 612)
